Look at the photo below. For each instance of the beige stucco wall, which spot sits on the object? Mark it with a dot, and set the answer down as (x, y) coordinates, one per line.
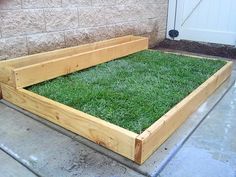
(33, 26)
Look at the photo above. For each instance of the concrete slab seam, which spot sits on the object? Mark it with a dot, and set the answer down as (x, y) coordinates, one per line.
(18, 160)
(180, 145)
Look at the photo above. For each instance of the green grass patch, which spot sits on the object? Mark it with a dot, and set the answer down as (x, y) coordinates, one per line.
(134, 91)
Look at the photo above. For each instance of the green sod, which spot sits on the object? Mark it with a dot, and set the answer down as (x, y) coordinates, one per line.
(132, 92)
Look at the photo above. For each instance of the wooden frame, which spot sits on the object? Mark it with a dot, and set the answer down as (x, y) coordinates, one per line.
(15, 75)
(0, 92)
(45, 66)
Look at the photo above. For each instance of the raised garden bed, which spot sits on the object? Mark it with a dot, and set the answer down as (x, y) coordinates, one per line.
(140, 99)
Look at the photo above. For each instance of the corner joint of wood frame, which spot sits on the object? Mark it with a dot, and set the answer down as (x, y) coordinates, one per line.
(138, 151)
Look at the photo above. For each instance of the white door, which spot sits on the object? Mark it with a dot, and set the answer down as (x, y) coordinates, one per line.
(203, 20)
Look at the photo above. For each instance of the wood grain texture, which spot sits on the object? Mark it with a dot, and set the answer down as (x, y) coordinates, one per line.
(47, 56)
(101, 132)
(51, 69)
(6, 74)
(0, 91)
(156, 134)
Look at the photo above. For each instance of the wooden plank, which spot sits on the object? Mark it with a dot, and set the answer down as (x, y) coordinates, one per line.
(46, 56)
(39, 72)
(6, 74)
(147, 142)
(0, 91)
(7, 66)
(101, 132)
(201, 56)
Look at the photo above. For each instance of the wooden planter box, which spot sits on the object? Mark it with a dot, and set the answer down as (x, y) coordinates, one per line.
(25, 71)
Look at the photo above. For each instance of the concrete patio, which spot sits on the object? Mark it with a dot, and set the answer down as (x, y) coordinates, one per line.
(203, 146)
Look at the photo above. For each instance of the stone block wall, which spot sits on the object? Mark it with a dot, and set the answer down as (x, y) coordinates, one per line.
(33, 26)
